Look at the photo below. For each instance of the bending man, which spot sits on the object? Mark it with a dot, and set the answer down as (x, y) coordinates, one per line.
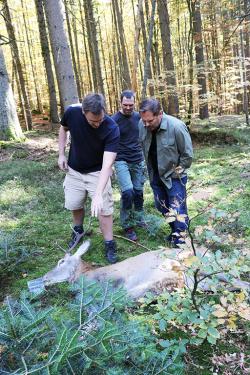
(168, 153)
(94, 142)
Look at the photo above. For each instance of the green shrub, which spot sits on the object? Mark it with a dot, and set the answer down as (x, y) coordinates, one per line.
(94, 334)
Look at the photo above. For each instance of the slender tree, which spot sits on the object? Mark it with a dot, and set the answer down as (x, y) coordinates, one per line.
(136, 44)
(199, 55)
(16, 57)
(93, 45)
(167, 55)
(47, 61)
(148, 50)
(9, 123)
(126, 81)
(55, 14)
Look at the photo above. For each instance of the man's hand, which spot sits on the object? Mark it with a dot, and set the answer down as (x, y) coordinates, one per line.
(96, 205)
(62, 163)
(178, 170)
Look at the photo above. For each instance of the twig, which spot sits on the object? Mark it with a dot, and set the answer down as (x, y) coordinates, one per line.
(133, 242)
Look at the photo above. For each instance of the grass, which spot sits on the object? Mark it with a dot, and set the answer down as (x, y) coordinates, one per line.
(35, 224)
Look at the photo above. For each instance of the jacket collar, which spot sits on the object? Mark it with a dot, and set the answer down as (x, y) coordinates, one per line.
(164, 122)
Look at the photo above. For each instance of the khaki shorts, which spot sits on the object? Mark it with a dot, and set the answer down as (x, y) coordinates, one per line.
(77, 186)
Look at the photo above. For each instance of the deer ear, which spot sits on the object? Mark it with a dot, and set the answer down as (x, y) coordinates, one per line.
(82, 249)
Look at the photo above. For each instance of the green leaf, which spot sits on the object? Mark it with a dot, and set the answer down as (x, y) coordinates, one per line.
(212, 340)
(213, 332)
(162, 325)
(202, 333)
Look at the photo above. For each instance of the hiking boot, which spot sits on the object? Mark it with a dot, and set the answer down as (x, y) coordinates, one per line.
(110, 251)
(142, 224)
(76, 237)
(169, 239)
(130, 234)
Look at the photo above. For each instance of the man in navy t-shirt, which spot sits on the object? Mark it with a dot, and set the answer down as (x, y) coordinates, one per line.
(129, 166)
(94, 143)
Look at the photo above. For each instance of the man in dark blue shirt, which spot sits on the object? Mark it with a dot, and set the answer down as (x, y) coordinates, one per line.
(94, 142)
(129, 166)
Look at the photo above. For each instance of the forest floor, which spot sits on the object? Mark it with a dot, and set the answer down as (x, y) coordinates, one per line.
(35, 227)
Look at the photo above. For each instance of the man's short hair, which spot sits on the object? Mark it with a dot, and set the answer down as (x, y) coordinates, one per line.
(129, 94)
(94, 103)
(151, 105)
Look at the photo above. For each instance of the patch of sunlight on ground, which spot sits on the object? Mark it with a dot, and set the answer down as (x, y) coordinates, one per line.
(13, 192)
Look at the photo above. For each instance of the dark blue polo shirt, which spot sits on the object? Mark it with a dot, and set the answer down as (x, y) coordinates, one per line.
(88, 144)
(129, 149)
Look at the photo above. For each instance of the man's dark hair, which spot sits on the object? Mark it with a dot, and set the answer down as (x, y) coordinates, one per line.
(129, 94)
(94, 103)
(151, 105)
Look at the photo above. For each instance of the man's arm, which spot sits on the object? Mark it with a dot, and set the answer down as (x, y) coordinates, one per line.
(62, 141)
(105, 173)
(185, 148)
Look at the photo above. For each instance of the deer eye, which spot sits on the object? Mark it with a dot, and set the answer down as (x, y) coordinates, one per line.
(61, 261)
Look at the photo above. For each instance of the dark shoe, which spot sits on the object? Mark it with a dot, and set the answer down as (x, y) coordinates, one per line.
(169, 238)
(76, 237)
(142, 224)
(110, 251)
(130, 234)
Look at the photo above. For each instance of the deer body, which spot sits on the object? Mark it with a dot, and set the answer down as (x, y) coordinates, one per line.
(150, 271)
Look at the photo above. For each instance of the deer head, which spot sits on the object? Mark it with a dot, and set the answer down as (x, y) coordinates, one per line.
(68, 268)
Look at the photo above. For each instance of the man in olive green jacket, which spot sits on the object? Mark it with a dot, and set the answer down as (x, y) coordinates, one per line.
(168, 152)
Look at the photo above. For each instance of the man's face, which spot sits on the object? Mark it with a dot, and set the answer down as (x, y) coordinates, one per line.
(151, 121)
(127, 106)
(94, 120)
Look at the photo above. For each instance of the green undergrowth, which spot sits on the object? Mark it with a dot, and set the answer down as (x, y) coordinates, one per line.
(35, 228)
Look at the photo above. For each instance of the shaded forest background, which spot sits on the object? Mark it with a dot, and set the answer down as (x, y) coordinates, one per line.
(193, 55)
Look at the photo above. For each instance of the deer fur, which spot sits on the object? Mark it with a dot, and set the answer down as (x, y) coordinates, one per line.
(151, 271)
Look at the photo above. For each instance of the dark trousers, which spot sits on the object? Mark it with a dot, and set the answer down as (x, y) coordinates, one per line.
(174, 198)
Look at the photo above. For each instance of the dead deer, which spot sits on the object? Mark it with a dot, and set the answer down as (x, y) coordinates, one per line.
(151, 271)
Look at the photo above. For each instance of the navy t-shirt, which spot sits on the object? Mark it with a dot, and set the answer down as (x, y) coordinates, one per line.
(88, 144)
(129, 149)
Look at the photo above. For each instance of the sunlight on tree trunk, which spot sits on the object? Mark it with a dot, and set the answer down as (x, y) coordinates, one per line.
(61, 53)
(9, 123)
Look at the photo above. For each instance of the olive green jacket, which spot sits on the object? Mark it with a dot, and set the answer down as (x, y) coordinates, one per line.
(174, 148)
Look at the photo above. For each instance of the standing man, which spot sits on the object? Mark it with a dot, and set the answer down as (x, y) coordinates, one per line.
(93, 148)
(129, 166)
(168, 153)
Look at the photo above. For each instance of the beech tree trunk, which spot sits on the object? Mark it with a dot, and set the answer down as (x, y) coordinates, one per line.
(55, 14)
(93, 46)
(126, 81)
(167, 55)
(16, 57)
(148, 50)
(54, 118)
(9, 123)
(199, 55)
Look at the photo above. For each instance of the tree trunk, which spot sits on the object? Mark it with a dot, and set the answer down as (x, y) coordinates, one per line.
(32, 63)
(199, 55)
(90, 82)
(54, 118)
(245, 95)
(149, 46)
(16, 57)
(61, 53)
(126, 81)
(93, 46)
(144, 38)
(9, 124)
(78, 85)
(191, 62)
(136, 44)
(168, 61)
